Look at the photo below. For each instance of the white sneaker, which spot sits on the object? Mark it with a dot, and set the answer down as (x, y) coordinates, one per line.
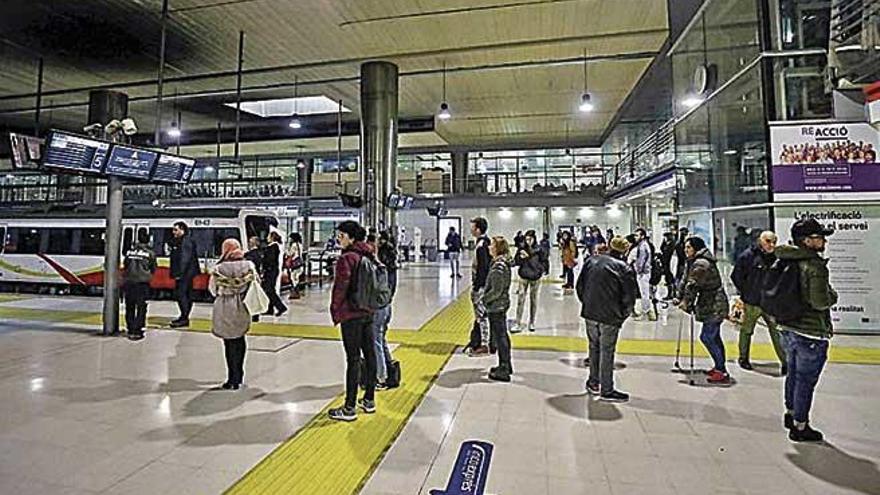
(518, 328)
(531, 327)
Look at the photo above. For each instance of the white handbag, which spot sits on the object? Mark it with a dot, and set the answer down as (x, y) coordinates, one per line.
(255, 299)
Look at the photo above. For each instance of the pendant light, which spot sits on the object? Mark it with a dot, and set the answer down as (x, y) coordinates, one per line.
(586, 105)
(295, 123)
(444, 113)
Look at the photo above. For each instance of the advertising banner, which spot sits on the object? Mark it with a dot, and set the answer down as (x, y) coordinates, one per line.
(825, 161)
(850, 251)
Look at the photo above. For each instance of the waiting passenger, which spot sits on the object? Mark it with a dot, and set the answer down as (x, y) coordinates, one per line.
(704, 296)
(356, 323)
(294, 263)
(480, 343)
(254, 254)
(139, 267)
(642, 263)
(607, 289)
(569, 253)
(271, 275)
(532, 262)
(748, 277)
(230, 319)
(453, 250)
(806, 338)
(496, 299)
(387, 255)
(184, 268)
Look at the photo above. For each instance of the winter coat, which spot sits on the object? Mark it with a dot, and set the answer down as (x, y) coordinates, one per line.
(229, 283)
(341, 308)
(703, 291)
(184, 258)
(569, 253)
(453, 242)
(816, 291)
(482, 262)
(607, 290)
(139, 264)
(749, 273)
(497, 295)
(532, 262)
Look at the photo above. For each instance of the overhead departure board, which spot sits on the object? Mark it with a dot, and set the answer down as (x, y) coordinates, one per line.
(173, 169)
(75, 153)
(131, 163)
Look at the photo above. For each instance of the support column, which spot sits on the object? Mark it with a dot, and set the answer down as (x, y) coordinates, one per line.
(378, 167)
(105, 106)
(459, 172)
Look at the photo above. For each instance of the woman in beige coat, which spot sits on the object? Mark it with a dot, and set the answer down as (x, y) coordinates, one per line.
(229, 282)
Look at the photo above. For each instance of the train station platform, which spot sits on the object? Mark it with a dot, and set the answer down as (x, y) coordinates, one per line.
(84, 414)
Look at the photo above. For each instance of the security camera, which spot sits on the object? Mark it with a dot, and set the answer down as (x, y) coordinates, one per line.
(93, 129)
(129, 127)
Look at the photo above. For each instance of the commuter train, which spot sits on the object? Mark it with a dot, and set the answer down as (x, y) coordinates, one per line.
(64, 250)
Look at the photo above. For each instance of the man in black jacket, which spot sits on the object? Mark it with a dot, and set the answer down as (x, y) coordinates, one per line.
(748, 277)
(184, 268)
(139, 266)
(667, 251)
(478, 345)
(607, 289)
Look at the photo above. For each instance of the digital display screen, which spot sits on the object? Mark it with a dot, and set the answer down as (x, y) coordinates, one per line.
(401, 202)
(409, 202)
(75, 153)
(132, 163)
(392, 201)
(173, 169)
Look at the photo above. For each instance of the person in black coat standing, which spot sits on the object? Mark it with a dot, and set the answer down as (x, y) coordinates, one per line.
(272, 260)
(667, 251)
(607, 289)
(184, 268)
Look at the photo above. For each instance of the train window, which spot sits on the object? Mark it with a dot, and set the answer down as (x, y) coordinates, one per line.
(92, 242)
(160, 238)
(60, 241)
(23, 240)
(259, 226)
(209, 242)
(3, 239)
(221, 235)
(127, 239)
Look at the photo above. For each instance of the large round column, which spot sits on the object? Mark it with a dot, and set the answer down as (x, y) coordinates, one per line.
(378, 167)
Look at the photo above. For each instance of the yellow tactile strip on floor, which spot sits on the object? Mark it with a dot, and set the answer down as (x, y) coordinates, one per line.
(329, 457)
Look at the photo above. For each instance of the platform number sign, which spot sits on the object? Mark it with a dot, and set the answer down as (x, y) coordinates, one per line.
(471, 470)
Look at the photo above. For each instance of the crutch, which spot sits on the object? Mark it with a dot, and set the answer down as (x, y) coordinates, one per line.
(691, 376)
(676, 366)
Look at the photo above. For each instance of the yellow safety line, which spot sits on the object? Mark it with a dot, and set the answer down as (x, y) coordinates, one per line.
(328, 457)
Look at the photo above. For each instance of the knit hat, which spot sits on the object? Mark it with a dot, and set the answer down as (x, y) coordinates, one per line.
(619, 244)
(231, 250)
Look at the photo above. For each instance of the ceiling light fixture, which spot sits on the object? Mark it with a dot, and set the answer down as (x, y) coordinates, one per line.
(444, 113)
(295, 122)
(586, 105)
(691, 100)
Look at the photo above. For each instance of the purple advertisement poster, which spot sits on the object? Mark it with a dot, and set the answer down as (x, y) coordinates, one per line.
(825, 161)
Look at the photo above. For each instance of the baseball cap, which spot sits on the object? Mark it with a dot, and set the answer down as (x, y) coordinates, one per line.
(807, 227)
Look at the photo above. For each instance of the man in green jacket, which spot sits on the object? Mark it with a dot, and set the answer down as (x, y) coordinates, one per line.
(806, 338)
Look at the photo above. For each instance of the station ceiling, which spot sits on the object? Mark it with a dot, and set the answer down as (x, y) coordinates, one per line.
(514, 68)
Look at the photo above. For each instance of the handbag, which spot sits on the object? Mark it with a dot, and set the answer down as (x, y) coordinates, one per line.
(255, 299)
(294, 263)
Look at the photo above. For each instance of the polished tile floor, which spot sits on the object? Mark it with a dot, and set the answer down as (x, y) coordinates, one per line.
(671, 438)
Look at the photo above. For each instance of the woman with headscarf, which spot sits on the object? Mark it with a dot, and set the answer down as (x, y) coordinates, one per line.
(231, 320)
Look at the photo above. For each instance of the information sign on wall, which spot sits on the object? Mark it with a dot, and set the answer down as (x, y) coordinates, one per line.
(850, 250)
(813, 162)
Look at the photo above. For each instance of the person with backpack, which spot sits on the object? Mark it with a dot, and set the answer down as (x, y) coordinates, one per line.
(497, 301)
(642, 264)
(185, 266)
(387, 256)
(798, 294)
(532, 262)
(704, 297)
(139, 266)
(355, 321)
(231, 320)
(607, 289)
(480, 344)
(453, 250)
(748, 277)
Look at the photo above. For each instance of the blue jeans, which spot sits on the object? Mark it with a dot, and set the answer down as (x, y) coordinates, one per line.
(710, 336)
(383, 354)
(806, 358)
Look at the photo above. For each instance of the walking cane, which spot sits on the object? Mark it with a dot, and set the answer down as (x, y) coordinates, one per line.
(691, 376)
(676, 366)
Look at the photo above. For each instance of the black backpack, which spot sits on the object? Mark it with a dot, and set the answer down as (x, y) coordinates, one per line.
(371, 290)
(656, 269)
(781, 292)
